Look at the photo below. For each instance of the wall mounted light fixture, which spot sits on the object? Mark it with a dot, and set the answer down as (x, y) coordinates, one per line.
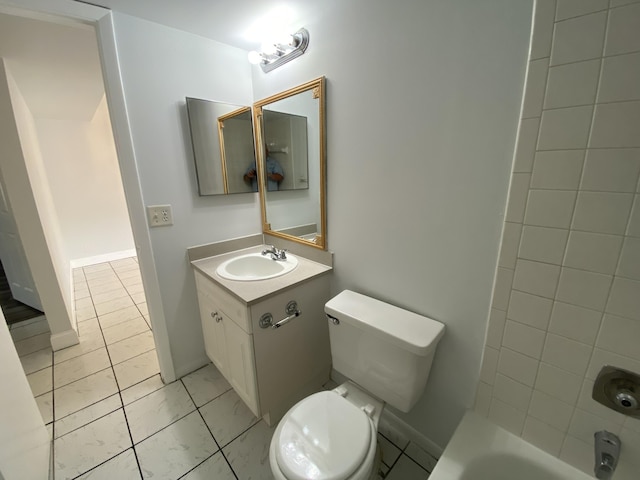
(277, 52)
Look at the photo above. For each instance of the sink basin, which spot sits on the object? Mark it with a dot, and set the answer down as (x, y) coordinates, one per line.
(255, 266)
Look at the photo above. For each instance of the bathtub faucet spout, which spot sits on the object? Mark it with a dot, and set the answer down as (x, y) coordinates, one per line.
(607, 446)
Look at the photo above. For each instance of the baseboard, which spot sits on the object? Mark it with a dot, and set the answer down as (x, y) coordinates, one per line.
(107, 257)
(390, 423)
(64, 339)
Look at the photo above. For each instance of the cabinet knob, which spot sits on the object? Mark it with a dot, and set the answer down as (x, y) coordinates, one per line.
(216, 317)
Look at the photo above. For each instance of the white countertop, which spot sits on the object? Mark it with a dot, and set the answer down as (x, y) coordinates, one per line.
(256, 290)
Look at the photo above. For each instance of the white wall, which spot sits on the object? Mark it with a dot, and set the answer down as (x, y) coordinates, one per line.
(567, 299)
(422, 109)
(82, 171)
(24, 440)
(160, 67)
(36, 219)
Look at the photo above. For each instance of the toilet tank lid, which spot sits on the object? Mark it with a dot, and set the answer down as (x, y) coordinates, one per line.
(415, 333)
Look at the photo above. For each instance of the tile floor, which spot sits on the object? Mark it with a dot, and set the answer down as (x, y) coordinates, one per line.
(111, 417)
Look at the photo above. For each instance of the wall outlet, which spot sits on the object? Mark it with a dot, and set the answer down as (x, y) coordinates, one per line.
(159, 215)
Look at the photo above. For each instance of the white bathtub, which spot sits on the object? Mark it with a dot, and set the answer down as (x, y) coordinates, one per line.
(480, 450)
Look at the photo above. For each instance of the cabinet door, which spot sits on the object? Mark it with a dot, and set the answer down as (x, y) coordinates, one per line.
(241, 365)
(213, 332)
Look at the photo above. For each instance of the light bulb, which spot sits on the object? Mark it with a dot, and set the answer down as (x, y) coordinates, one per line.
(268, 48)
(254, 57)
(285, 39)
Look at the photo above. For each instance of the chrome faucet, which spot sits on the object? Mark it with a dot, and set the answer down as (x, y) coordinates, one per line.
(607, 447)
(276, 253)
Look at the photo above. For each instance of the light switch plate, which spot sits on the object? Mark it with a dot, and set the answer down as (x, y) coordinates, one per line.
(159, 215)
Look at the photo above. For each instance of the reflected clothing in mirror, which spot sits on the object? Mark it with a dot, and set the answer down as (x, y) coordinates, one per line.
(275, 175)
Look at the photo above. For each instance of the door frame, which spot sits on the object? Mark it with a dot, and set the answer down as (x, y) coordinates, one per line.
(68, 11)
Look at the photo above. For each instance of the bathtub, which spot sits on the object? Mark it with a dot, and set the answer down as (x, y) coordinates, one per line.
(480, 450)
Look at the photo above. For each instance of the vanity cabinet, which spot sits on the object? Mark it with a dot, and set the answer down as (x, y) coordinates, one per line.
(270, 369)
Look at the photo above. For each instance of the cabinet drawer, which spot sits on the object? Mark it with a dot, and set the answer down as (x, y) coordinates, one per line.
(233, 308)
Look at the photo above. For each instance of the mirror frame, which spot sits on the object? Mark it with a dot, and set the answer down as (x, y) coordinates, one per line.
(317, 86)
(223, 155)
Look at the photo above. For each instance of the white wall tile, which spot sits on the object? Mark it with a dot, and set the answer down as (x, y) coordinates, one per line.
(596, 252)
(565, 128)
(574, 8)
(517, 366)
(566, 354)
(506, 416)
(535, 88)
(543, 244)
(584, 425)
(497, 320)
(483, 399)
(624, 299)
(510, 243)
(578, 39)
(602, 212)
(578, 453)
(550, 410)
(536, 278)
(543, 436)
(582, 288)
(523, 339)
(545, 12)
(489, 365)
(511, 392)
(630, 259)
(620, 79)
(558, 383)
(619, 3)
(620, 335)
(578, 323)
(615, 125)
(530, 309)
(623, 34)
(502, 288)
(557, 169)
(586, 403)
(572, 84)
(518, 192)
(611, 170)
(525, 149)
(550, 208)
(600, 358)
(630, 467)
(633, 228)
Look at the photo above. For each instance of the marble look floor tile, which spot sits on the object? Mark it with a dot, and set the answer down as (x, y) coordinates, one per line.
(205, 384)
(37, 360)
(128, 274)
(422, 458)
(85, 313)
(96, 267)
(110, 295)
(45, 404)
(91, 445)
(138, 298)
(103, 274)
(131, 347)
(87, 415)
(177, 449)
(148, 320)
(119, 316)
(84, 302)
(150, 414)
(390, 452)
(141, 389)
(40, 381)
(84, 392)
(80, 367)
(248, 454)
(215, 467)
(24, 323)
(125, 330)
(26, 331)
(227, 417)
(406, 469)
(96, 287)
(135, 288)
(88, 327)
(123, 262)
(121, 467)
(144, 310)
(33, 344)
(137, 369)
(113, 305)
(82, 293)
(88, 343)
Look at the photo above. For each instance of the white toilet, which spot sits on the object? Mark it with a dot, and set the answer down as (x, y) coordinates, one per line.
(388, 352)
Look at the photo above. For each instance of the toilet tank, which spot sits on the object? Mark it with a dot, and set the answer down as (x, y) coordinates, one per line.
(385, 349)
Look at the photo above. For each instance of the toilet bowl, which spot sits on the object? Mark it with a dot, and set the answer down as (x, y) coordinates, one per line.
(387, 353)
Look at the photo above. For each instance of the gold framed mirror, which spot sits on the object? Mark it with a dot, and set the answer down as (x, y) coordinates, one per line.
(290, 147)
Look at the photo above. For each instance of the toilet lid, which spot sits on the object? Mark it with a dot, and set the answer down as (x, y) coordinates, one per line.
(323, 437)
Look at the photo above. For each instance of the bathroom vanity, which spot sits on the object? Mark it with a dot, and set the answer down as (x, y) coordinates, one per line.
(269, 368)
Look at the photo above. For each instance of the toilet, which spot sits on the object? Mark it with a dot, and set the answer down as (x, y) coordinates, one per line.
(386, 354)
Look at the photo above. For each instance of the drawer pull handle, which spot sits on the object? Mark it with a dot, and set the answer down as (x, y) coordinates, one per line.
(266, 320)
(216, 317)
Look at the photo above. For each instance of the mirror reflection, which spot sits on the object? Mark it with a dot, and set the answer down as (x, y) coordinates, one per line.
(223, 147)
(290, 140)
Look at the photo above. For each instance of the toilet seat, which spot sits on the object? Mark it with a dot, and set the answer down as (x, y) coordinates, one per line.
(324, 437)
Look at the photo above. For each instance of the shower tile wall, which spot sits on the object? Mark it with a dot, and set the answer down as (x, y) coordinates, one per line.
(567, 294)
